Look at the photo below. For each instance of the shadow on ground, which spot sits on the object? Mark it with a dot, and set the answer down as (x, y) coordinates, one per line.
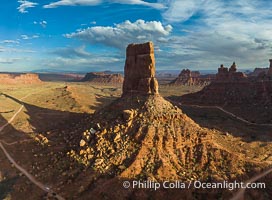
(43, 119)
(102, 101)
(6, 187)
(214, 118)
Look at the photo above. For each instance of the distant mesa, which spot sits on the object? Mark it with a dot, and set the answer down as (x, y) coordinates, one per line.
(263, 73)
(13, 78)
(191, 78)
(103, 77)
(258, 71)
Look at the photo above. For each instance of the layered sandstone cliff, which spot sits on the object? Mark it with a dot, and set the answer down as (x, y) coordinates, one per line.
(7, 78)
(102, 77)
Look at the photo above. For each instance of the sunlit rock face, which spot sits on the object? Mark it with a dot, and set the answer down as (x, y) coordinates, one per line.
(140, 70)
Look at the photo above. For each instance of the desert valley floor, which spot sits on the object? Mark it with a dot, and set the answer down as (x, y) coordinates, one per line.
(41, 123)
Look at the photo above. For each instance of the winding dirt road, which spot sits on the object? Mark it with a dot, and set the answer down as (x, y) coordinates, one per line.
(21, 169)
(229, 113)
(221, 109)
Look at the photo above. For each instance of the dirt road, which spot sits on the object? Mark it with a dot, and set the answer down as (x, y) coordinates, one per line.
(21, 169)
(231, 114)
(221, 109)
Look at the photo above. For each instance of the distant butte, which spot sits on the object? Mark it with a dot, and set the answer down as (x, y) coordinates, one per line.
(188, 77)
(104, 78)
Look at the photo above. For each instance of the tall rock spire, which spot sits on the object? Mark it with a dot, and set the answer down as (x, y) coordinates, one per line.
(140, 70)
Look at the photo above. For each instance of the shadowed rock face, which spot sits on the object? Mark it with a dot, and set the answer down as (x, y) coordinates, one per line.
(269, 73)
(140, 70)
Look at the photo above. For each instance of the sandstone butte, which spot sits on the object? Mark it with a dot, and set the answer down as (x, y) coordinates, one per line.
(19, 78)
(188, 77)
(142, 136)
(140, 70)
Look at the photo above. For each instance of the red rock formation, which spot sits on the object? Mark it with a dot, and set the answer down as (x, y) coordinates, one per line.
(222, 73)
(101, 77)
(140, 70)
(258, 72)
(19, 78)
(269, 73)
(233, 68)
(225, 75)
(234, 89)
(187, 77)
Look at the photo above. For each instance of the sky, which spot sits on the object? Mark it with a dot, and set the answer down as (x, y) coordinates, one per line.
(92, 35)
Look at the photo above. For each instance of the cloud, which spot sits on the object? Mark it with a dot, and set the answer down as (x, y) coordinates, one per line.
(70, 52)
(80, 59)
(140, 2)
(73, 3)
(207, 50)
(25, 5)
(43, 23)
(4, 49)
(120, 35)
(10, 42)
(97, 2)
(214, 32)
(91, 63)
(8, 60)
(181, 10)
(26, 37)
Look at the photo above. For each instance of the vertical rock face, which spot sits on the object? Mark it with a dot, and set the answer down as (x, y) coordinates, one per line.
(233, 68)
(223, 73)
(269, 73)
(226, 75)
(140, 70)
